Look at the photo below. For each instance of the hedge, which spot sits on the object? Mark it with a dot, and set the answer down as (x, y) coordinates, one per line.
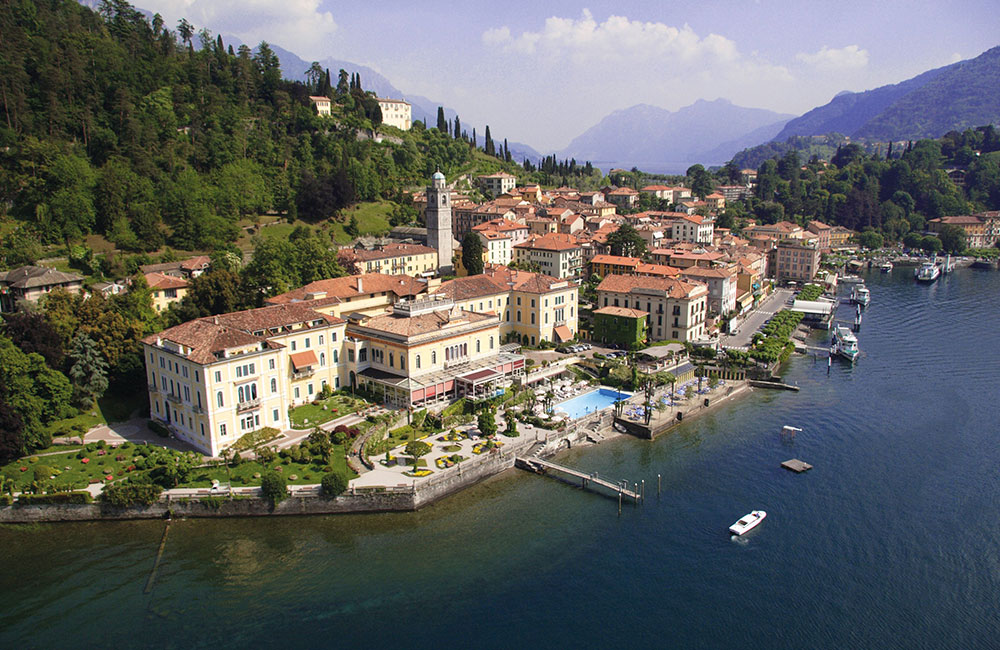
(123, 495)
(54, 498)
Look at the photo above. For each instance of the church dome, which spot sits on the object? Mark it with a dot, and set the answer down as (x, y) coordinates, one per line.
(438, 176)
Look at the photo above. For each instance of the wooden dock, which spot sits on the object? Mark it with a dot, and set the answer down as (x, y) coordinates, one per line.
(796, 465)
(587, 480)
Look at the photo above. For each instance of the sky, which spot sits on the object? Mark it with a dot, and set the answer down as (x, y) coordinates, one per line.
(543, 72)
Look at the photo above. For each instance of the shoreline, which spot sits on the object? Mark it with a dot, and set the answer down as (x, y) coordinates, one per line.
(308, 500)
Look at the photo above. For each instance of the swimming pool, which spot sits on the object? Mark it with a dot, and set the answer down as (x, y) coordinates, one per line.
(587, 403)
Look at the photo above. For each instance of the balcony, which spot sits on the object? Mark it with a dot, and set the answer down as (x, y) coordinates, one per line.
(247, 405)
(176, 399)
(198, 409)
(152, 388)
(303, 374)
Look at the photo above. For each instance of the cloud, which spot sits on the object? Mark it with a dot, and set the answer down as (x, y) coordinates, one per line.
(845, 58)
(296, 24)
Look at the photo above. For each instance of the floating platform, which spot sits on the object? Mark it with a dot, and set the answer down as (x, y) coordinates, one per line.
(757, 383)
(796, 465)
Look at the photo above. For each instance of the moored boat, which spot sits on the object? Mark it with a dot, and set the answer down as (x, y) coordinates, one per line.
(928, 272)
(748, 522)
(845, 343)
(886, 267)
(860, 295)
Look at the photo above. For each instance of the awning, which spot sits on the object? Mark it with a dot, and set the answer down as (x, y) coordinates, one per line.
(303, 359)
(564, 334)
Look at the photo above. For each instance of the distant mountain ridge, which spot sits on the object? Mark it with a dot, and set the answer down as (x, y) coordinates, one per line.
(708, 132)
(954, 97)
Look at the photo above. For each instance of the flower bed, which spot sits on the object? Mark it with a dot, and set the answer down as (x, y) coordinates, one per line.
(449, 461)
(420, 473)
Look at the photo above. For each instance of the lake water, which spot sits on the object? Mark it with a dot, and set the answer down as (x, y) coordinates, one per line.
(891, 541)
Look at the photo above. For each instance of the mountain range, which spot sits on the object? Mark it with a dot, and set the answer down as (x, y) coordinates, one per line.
(954, 97)
(707, 132)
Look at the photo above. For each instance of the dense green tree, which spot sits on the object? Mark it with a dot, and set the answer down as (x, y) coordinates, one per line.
(626, 241)
(88, 370)
(472, 253)
(871, 239)
(952, 239)
(31, 332)
(442, 123)
(416, 449)
(486, 423)
(700, 181)
(18, 248)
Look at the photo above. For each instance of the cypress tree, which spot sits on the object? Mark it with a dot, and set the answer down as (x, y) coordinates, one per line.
(458, 128)
(488, 145)
(442, 124)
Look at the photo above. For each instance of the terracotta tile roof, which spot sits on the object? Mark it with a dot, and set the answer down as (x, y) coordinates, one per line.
(470, 287)
(206, 339)
(196, 263)
(334, 290)
(657, 269)
(673, 288)
(434, 322)
(550, 242)
(963, 220)
(657, 188)
(265, 318)
(622, 191)
(303, 359)
(164, 281)
(701, 272)
(627, 312)
(392, 250)
(616, 259)
(526, 281)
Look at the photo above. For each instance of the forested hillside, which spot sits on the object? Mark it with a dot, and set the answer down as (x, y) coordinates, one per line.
(892, 193)
(117, 125)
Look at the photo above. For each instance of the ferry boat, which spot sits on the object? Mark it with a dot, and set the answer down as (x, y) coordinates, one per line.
(748, 522)
(860, 295)
(886, 267)
(845, 343)
(928, 272)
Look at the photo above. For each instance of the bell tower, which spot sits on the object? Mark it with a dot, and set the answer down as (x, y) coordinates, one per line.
(437, 216)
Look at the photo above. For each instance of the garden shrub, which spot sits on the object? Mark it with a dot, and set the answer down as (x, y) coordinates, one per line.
(157, 428)
(334, 483)
(54, 498)
(123, 495)
(274, 487)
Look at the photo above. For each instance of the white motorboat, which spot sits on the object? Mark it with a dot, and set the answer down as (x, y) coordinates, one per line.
(789, 430)
(748, 522)
(886, 267)
(928, 272)
(845, 343)
(860, 295)
(849, 279)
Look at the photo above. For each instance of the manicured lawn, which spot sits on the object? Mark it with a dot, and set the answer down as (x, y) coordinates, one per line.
(309, 415)
(111, 408)
(100, 462)
(243, 474)
(373, 217)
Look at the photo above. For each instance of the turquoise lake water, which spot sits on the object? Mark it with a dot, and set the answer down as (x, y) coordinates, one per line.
(891, 541)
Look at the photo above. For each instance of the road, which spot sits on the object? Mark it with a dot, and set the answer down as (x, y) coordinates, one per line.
(741, 338)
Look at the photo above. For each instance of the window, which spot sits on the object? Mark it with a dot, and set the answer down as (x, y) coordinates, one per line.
(333, 337)
(184, 371)
(532, 302)
(187, 394)
(197, 377)
(336, 357)
(418, 362)
(336, 382)
(274, 415)
(154, 380)
(363, 355)
(270, 364)
(532, 320)
(162, 362)
(274, 385)
(222, 429)
(491, 342)
(296, 392)
(163, 382)
(321, 339)
(307, 342)
(218, 375)
(218, 398)
(434, 357)
(477, 346)
(202, 429)
(322, 358)
(390, 360)
(293, 346)
(350, 355)
(309, 389)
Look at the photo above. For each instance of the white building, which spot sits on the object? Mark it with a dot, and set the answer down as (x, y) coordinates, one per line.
(498, 183)
(397, 113)
(322, 105)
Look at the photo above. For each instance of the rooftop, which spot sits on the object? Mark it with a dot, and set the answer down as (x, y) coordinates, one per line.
(29, 277)
(672, 287)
